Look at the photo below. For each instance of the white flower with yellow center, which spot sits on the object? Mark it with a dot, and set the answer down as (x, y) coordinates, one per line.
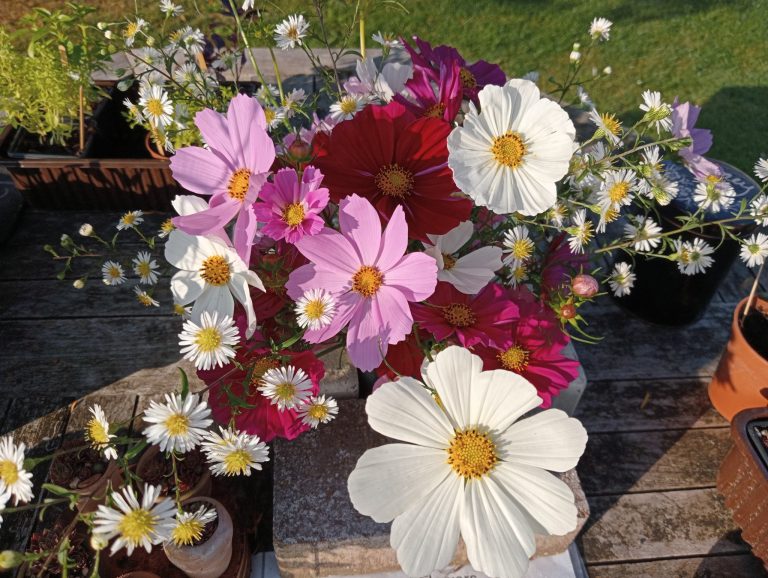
(165, 228)
(132, 29)
(274, 116)
(758, 209)
(517, 274)
(387, 40)
(212, 275)
(315, 309)
(693, 256)
(168, 8)
(600, 29)
(145, 267)
(347, 107)
(286, 387)
(145, 298)
(318, 410)
(13, 477)
(178, 425)
(130, 219)
(181, 311)
(289, 33)
(518, 246)
(188, 526)
(658, 114)
(156, 106)
(622, 279)
(761, 169)
(470, 272)
(617, 189)
(581, 231)
(644, 234)
(211, 343)
(112, 273)
(509, 154)
(608, 126)
(97, 433)
(234, 453)
(135, 524)
(714, 194)
(5, 496)
(754, 250)
(467, 467)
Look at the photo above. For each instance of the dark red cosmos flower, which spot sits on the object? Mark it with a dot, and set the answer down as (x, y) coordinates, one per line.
(389, 156)
(273, 264)
(404, 357)
(483, 318)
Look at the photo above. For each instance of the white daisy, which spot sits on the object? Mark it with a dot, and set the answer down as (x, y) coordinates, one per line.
(388, 40)
(622, 279)
(693, 256)
(617, 188)
(644, 234)
(289, 32)
(583, 97)
(267, 94)
(758, 208)
(135, 524)
(168, 8)
(663, 190)
(188, 526)
(317, 410)
(156, 106)
(145, 298)
(248, 5)
(714, 194)
(518, 246)
(467, 467)
(346, 108)
(145, 267)
(658, 114)
(132, 29)
(5, 496)
(557, 214)
(274, 116)
(754, 250)
(517, 274)
(177, 425)
(130, 219)
(97, 433)
(13, 477)
(293, 101)
(165, 228)
(580, 231)
(286, 386)
(212, 275)
(112, 273)
(234, 453)
(468, 273)
(193, 39)
(761, 169)
(600, 28)
(315, 309)
(651, 163)
(608, 126)
(181, 311)
(510, 154)
(210, 344)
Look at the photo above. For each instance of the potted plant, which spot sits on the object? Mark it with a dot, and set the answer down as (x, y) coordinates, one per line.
(743, 477)
(75, 553)
(194, 478)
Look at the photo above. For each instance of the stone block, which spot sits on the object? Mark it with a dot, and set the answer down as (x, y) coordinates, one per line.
(341, 379)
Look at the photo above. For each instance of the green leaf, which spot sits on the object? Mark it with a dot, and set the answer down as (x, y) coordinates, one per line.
(184, 384)
(58, 490)
(135, 450)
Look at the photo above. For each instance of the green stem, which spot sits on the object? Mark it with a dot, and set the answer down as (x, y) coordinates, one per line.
(277, 76)
(27, 507)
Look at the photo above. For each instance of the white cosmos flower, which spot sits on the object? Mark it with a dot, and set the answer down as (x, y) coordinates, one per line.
(510, 154)
(754, 250)
(286, 387)
(580, 231)
(97, 433)
(13, 477)
(178, 425)
(761, 169)
(758, 208)
(234, 453)
(644, 234)
(146, 268)
(346, 108)
(112, 273)
(693, 256)
(658, 114)
(468, 273)
(135, 524)
(467, 467)
(211, 343)
(382, 85)
(622, 279)
(289, 32)
(130, 219)
(188, 526)
(315, 309)
(212, 275)
(714, 194)
(600, 28)
(317, 410)
(156, 106)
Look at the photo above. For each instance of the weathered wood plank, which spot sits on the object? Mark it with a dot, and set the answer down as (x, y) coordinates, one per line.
(652, 461)
(726, 566)
(118, 409)
(622, 406)
(659, 525)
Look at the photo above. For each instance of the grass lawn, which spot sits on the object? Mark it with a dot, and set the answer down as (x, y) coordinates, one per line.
(713, 52)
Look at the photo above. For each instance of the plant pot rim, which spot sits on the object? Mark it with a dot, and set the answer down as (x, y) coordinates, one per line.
(112, 465)
(738, 334)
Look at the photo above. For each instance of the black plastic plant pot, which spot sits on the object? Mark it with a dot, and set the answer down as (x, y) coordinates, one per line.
(661, 293)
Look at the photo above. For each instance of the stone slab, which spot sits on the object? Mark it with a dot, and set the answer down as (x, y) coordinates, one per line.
(316, 530)
(341, 379)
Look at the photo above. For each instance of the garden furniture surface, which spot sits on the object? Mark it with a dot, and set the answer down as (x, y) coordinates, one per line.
(655, 442)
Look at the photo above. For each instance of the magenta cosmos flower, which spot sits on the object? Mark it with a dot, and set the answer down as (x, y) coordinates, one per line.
(370, 277)
(232, 170)
(289, 207)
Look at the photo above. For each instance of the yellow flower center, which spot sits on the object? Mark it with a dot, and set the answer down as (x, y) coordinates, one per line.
(208, 339)
(145, 299)
(187, 532)
(472, 454)
(137, 525)
(270, 116)
(468, 79)
(314, 309)
(96, 432)
(9, 472)
(131, 29)
(713, 179)
(318, 412)
(459, 315)
(449, 261)
(293, 214)
(394, 181)
(509, 149)
(611, 123)
(215, 271)
(179, 309)
(237, 462)
(167, 226)
(238, 184)
(522, 249)
(435, 111)
(177, 424)
(514, 359)
(293, 34)
(285, 391)
(519, 273)
(114, 272)
(367, 281)
(143, 269)
(155, 107)
(618, 191)
(348, 105)
(129, 219)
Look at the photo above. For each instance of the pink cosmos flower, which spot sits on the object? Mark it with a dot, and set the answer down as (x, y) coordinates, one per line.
(684, 118)
(232, 170)
(291, 208)
(370, 277)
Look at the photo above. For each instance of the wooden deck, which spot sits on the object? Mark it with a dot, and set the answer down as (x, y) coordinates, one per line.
(650, 466)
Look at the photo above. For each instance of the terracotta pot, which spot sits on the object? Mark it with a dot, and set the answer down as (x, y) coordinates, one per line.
(740, 379)
(95, 493)
(152, 149)
(743, 481)
(211, 558)
(201, 488)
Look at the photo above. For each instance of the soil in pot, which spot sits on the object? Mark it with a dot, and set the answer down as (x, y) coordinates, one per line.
(48, 540)
(156, 469)
(755, 329)
(78, 470)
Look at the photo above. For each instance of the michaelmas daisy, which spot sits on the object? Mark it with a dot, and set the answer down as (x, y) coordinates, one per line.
(693, 256)
(146, 268)
(315, 309)
(112, 273)
(289, 33)
(97, 433)
(234, 453)
(754, 250)
(286, 386)
(317, 410)
(188, 526)
(130, 219)
(211, 343)
(622, 279)
(177, 425)
(13, 477)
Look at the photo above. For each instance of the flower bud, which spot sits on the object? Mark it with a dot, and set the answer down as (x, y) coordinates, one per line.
(575, 56)
(10, 559)
(568, 311)
(299, 149)
(98, 542)
(607, 70)
(101, 25)
(585, 286)
(576, 46)
(108, 35)
(86, 229)
(78, 284)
